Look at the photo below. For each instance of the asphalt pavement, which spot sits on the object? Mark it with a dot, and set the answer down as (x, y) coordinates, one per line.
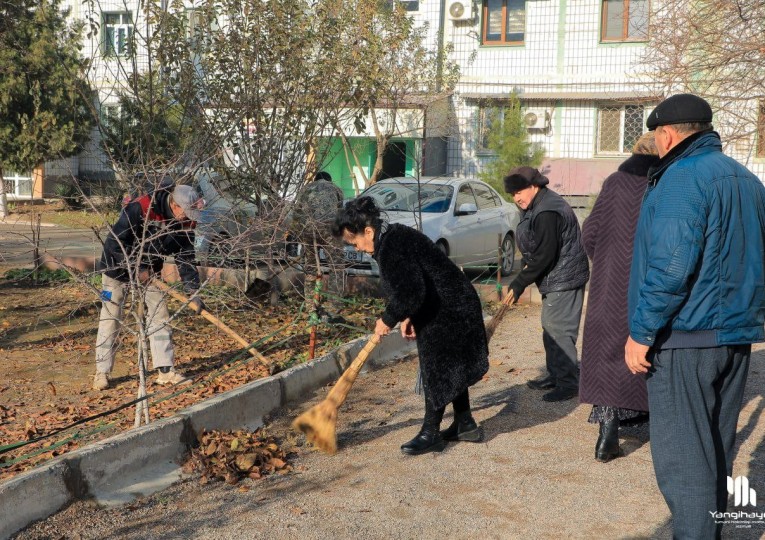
(17, 242)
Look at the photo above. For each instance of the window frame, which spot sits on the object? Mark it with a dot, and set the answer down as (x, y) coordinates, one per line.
(476, 187)
(110, 51)
(503, 34)
(457, 194)
(622, 108)
(625, 38)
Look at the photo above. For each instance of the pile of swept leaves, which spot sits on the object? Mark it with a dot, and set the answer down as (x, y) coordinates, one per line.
(232, 456)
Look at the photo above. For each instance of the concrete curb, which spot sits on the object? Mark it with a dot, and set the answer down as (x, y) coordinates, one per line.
(144, 460)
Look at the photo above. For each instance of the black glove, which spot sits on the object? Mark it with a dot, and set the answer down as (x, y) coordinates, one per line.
(196, 305)
(517, 292)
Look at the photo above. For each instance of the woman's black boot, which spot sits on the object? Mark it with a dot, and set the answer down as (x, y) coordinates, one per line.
(607, 447)
(464, 428)
(429, 438)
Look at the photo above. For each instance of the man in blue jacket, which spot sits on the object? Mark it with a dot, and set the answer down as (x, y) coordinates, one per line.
(696, 304)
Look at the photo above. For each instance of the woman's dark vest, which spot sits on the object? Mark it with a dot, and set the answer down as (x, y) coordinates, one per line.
(572, 269)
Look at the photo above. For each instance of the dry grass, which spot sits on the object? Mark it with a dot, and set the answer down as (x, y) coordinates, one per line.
(55, 212)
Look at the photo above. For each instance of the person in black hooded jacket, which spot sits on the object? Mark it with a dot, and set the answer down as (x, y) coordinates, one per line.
(436, 305)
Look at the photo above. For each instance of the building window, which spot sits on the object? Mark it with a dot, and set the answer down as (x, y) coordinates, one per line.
(619, 128)
(111, 115)
(486, 117)
(489, 119)
(408, 5)
(504, 22)
(761, 130)
(118, 32)
(624, 20)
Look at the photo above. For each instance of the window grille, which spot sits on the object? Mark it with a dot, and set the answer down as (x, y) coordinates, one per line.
(619, 128)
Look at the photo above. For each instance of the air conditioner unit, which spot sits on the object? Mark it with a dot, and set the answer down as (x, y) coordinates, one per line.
(461, 10)
(536, 119)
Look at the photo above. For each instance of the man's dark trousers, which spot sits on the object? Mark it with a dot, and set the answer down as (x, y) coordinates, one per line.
(561, 314)
(695, 396)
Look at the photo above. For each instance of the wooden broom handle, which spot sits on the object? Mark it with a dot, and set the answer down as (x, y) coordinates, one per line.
(343, 385)
(161, 285)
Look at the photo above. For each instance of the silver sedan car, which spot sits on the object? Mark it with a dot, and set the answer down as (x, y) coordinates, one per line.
(465, 217)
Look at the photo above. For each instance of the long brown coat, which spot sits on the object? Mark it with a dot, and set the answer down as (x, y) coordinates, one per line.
(608, 235)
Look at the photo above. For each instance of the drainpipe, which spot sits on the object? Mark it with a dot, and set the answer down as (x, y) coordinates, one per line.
(441, 24)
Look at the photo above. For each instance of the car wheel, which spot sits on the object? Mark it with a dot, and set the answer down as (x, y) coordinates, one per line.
(508, 255)
(443, 247)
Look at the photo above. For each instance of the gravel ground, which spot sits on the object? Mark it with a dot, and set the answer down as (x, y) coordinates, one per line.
(533, 477)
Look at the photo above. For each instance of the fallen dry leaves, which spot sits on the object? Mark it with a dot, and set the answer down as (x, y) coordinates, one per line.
(233, 456)
(49, 363)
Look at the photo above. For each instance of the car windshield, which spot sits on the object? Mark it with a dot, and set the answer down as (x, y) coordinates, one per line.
(399, 197)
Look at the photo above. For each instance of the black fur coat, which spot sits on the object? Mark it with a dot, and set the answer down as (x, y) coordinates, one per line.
(421, 283)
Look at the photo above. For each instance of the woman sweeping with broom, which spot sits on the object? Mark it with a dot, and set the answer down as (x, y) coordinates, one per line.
(436, 305)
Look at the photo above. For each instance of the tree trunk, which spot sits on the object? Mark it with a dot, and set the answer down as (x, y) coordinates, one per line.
(3, 197)
(382, 143)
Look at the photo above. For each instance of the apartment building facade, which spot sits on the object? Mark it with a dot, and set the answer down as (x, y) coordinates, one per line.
(575, 65)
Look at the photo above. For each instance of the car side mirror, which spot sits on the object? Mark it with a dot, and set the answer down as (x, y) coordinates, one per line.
(466, 209)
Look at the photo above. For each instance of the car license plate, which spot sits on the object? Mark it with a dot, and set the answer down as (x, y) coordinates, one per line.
(353, 255)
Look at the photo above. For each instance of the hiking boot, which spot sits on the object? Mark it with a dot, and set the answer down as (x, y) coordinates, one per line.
(172, 377)
(101, 381)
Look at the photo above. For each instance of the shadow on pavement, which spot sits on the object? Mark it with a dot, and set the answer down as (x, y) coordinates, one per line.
(512, 417)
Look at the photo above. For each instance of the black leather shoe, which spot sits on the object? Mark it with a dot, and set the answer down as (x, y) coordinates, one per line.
(546, 383)
(427, 440)
(463, 429)
(607, 447)
(561, 394)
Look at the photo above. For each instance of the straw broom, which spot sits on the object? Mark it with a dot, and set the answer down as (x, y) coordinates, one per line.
(491, 327)
(320, 422)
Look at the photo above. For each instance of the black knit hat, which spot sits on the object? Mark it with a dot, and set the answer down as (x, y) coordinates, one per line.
(680, 109)
(523, 177)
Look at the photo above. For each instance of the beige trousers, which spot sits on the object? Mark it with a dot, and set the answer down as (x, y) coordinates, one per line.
(110, 324)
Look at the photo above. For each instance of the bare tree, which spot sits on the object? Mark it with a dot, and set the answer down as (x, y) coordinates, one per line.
(396, 76)
(716, 49)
